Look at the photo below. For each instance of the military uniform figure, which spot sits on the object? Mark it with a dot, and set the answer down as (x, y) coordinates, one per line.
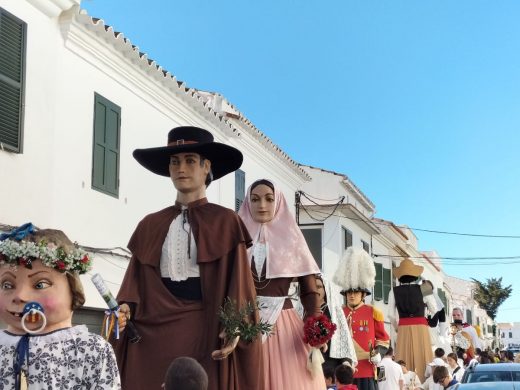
(356, 276)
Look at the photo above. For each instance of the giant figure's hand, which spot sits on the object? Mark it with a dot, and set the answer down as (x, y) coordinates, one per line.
(124, 316)
(376, 359)
(227, 349)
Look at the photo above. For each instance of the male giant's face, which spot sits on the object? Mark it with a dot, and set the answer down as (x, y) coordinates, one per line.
(188, 171)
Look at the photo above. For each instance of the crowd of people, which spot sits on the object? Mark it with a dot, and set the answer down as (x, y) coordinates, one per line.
(191, 258)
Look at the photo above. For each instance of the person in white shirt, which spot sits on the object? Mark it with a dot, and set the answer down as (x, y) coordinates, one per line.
(392, 378)
(429, 383)
(438, 360)
(454, 369)
(410, 378)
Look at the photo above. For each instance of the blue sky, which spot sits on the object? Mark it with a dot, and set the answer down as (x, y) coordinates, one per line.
(416, 101)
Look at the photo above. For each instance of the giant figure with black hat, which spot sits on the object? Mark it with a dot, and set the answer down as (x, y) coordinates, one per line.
(406, 308)
(186, 260)
(356, 276)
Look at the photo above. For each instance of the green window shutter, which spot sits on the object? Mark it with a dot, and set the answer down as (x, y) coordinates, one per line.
(12, 61)
(347, 238)
(378, 287)
(366, 246)
(105, 160)
(240, 188)
(442, 297)
(314, 242)
(387, 283)
(469, 318)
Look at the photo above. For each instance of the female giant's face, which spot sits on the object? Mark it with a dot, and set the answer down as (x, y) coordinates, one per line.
(262, 203)
(41, 284)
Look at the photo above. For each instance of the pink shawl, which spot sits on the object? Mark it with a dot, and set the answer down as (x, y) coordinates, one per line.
(287, 252)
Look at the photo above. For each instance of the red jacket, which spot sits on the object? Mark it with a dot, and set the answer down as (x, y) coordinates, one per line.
(367, 327)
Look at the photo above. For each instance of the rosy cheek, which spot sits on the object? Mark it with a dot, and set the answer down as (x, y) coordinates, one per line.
(50, 304)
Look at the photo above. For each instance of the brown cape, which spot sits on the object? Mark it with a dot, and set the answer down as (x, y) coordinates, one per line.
(171, 327)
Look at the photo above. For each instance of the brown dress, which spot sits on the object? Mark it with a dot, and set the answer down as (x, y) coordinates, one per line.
(170, 326)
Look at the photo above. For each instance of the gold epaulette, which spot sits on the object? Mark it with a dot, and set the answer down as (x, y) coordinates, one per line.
(377, 314)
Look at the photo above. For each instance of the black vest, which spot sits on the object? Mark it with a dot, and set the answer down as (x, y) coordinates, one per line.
(409, 301)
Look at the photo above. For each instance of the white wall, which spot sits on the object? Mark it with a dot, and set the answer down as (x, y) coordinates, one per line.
(509, 329)
(68, 60)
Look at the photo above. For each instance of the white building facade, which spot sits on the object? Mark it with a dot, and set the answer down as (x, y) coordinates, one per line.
(76, 99)
(509, 334)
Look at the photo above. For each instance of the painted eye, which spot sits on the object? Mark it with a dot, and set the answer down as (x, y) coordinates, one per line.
(6, 285)
(42, 284)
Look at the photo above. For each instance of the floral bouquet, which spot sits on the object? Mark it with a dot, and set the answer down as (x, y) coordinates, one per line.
(317, 331)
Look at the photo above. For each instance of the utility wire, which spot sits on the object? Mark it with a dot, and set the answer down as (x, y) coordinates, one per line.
(414, 228)
(107, 251)
(451, 257)
(323, 200)
(335, 207)
(483, 261)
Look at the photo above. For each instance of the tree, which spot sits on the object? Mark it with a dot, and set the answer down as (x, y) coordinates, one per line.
(491, 295)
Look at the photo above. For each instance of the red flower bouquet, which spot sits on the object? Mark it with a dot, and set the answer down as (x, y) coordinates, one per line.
(318, 330)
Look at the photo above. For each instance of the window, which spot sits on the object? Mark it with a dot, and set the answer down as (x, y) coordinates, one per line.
(12, 74)
(347, 238)
(240, 188)
(383, 284)
(366, 247)
(314, 241)
(442, 297)
(105, 155)
(387, 283)
(469, 319)
(510, 335)
(92, 318)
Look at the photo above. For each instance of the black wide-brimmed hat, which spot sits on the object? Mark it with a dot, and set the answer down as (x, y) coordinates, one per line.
(359, 289)
(224, 158)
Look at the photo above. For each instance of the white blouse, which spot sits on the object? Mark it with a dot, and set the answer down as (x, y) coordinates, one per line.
(259, 256)
(70, 358)
(176, 263)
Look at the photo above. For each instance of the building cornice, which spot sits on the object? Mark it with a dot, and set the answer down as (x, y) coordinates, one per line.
(393, 233)
(53, 8)
(431, 262)
(349, 186)
(113, 53)
(226, 108)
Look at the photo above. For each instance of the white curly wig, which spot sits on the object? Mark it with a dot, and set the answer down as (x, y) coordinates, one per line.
(356, 271)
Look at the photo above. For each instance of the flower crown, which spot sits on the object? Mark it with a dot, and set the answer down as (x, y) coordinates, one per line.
(16, 253)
